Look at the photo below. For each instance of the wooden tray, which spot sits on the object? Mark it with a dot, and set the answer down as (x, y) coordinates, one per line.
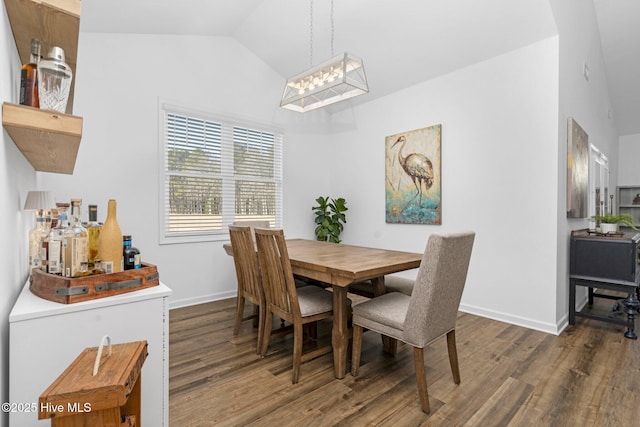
(67, 290)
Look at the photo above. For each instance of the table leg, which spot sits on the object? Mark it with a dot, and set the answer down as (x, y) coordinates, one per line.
(631, 307)
(339, 333)
(389, 345)
(572, 302)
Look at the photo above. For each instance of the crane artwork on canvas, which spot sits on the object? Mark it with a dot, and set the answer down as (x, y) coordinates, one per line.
(413, 176)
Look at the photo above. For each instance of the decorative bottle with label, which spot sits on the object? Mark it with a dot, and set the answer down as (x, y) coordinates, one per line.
(110, 241)
(76, 244)
(93, 231)
(29, 77)
(55, 243)
(131, 255)
(37, 236)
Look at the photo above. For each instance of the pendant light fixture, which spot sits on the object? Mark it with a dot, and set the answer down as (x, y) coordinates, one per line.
(339, 78)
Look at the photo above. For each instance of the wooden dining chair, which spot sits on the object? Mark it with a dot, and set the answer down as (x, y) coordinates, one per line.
(299, 306)
(428, 313)
(249, 279)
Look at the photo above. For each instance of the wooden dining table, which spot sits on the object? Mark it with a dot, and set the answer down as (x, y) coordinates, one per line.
(341, 265)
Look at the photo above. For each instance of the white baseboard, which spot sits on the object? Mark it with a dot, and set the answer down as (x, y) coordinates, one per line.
(201, 299)
(466, 308)
(549, 328)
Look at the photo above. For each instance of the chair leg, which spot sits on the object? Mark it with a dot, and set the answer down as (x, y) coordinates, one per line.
(256, 316)
(421, 378)
(297, 351)
(261, 322)
(268, 318)
(453, 356)
(239, 314)
(357, 349)
(389, 345)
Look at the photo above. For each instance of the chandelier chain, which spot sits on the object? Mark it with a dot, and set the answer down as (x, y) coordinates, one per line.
(311, 33)
(332, 29)
(333, 32)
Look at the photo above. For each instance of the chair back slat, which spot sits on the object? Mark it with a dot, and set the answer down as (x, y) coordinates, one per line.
(277, 276)
(438, 287)
(246, 262)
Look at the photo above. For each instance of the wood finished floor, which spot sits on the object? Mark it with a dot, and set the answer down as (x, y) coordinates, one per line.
(511, 376)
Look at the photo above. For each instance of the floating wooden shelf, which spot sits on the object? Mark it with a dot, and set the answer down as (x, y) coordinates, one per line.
(48, 140)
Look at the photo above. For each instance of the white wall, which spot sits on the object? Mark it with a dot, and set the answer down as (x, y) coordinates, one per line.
(119, 80)
(628, 158)
(499, 160)
(17, 177)
(588, 103)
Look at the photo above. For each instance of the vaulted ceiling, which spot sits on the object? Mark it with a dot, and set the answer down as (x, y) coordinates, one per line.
(402, 42)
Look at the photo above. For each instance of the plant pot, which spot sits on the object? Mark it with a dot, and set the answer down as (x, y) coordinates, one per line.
(606, 228)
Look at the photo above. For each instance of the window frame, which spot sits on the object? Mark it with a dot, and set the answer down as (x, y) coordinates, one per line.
(228, 176)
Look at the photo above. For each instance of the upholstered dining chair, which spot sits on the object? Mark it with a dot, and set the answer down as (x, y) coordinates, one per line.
(299, 306)
(250, 286)
(393, 283)
(428, 313)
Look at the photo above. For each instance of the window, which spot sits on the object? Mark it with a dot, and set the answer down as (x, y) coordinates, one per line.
(216, 171)
(598, 182)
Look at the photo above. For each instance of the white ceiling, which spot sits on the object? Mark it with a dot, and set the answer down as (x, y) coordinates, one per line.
(402, 42)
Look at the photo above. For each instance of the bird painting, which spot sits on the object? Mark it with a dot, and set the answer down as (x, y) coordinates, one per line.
(417, 166)
(413, 176)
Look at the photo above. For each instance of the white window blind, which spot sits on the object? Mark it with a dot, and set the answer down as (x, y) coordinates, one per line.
(216, 171)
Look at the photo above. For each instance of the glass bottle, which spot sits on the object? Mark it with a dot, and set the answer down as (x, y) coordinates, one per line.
(130, 254)
(76, 243)
(54, 81)
(55, 242)
(29, 77)
(37, 235)
(110, 241)
(93, 231)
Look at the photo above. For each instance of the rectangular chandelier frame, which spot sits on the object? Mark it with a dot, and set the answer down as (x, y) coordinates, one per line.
(341, 77)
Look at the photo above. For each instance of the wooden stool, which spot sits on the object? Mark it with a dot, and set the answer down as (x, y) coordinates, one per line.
(97, 391)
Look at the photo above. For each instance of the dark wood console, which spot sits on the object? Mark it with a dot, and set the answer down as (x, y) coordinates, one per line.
(608, 262)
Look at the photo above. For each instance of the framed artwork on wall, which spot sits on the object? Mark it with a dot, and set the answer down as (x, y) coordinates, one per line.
(577, 170)
(413, 176)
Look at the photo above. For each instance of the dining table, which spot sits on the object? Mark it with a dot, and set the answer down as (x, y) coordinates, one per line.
(341, 265)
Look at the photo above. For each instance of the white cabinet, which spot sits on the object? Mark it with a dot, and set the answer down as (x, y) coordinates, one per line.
(45, 337)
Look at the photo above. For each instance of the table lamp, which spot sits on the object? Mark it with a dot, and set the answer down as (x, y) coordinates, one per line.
(39, 201)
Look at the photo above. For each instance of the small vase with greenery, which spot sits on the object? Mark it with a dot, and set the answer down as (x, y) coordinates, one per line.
(330, 218)
(620, 219)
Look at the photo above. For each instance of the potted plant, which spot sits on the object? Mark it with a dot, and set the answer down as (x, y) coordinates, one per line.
(330, 218)
(609, 222)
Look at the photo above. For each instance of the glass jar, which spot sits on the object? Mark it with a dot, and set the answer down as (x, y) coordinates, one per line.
(54, 81)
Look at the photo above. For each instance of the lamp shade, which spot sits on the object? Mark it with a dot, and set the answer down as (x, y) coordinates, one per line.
(39, 201)
(337, 79)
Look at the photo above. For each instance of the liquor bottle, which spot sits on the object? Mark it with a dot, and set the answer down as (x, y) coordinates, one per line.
(29, 77)
(110, 241)
(130, 254)
(93, 231)
(54, 81)
(76, 243)
(36, 236)
(55, 242)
